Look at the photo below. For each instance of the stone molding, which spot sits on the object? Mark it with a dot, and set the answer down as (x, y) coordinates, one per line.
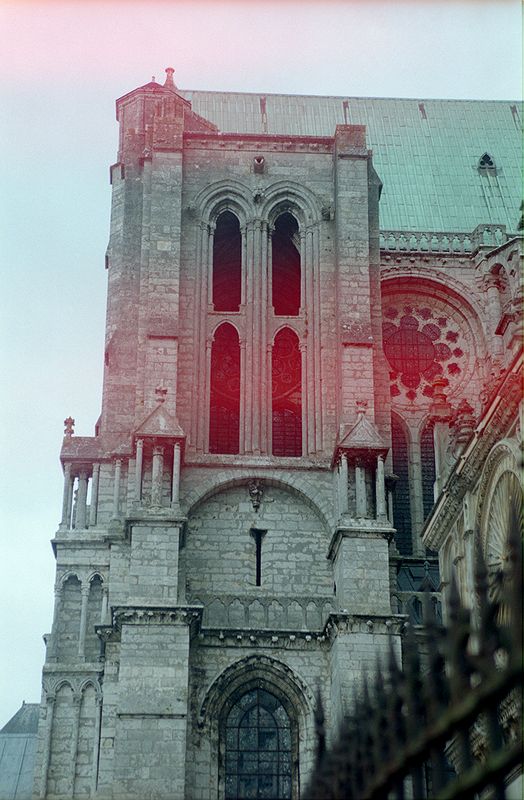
(343, 622)
(154, 517)
(156, 615)
(337, 622)
(492, 427)
(358, 529)
(253, 141)
(298, 486)
(504, 454)
(252, 637)
(239, 672)
(449, 242)
(78, 679)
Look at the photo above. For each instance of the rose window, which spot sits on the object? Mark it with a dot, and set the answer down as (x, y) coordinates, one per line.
(421, 343)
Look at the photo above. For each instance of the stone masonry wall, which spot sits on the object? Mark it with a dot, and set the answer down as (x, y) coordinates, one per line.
(220, 552)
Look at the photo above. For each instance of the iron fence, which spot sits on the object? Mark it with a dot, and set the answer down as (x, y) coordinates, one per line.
(461, 701)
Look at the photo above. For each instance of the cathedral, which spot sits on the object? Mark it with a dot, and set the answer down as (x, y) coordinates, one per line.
(310, 412)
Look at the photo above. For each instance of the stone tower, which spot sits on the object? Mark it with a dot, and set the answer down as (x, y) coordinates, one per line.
(227, 540)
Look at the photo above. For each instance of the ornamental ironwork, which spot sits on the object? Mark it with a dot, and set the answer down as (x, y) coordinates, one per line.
(461, 701)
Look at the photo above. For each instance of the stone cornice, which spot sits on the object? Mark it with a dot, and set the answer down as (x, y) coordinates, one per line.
(258, 637)
(341, 622)
(337, 622)
(272, 463)
(81, 537)
(85, 668)
(156, 615)
(358, 529)
(258, 141)
(155, 517)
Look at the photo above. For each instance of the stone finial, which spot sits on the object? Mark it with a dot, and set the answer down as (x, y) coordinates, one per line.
(169, 83)
(255, 494)
(69, 427)
(160, 393)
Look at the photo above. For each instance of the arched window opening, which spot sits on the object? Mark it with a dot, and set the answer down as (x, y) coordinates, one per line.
(486, 163)
(401, 503)
(94, 609)
(287, 395)
(504, 510)
(286, 266)
(224, 410)
(427, 455)
(227, 263)
(258, 748)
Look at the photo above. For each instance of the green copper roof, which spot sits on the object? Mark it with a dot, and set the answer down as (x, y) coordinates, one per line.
(425, 151)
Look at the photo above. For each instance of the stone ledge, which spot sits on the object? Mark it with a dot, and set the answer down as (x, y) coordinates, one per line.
(155, 615)
(358, 529)
(344, 622)
(250, 637)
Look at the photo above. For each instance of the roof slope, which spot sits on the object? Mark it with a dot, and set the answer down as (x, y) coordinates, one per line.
(17, 753)
(24, 721)
(425, 151)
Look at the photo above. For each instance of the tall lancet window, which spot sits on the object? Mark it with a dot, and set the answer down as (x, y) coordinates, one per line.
(224, 411)
(285, 256)
(227, 263)
(427, 456)
(401, 501)
(286, 394)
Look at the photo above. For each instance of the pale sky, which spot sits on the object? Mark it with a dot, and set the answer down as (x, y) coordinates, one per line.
(62, 66)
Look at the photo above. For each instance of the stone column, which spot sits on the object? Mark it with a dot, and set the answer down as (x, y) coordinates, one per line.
(69, 520)
(242, 425)
(269, 396)
(53, 650)
(116, 488)
(105, 605)
(264, 306)
(343, 485)
(209, 277)
(96, 743)
(491, 286)
(380, 490)
(66, 500)
(305, 397)
(83, 620)
(200, 314)
(175, 485)
(257, 351)
(415, 494)
(206, 393)
(138, 469)
(311, 379)
(360, 490)
(390, 481)
(81, 498)
(77, 701)
(93, 509)
(246, 382)
(317, 339)
(157, 475)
